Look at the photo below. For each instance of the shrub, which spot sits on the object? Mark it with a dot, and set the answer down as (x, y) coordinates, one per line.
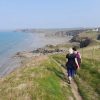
(98, 37)
(85, 42)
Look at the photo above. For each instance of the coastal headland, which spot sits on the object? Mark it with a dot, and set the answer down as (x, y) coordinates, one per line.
(42, 72)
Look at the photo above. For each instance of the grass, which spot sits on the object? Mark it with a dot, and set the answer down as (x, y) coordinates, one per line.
(92, 53)
(43, 81)
(88, 77)
(90, 34)
(89, 80)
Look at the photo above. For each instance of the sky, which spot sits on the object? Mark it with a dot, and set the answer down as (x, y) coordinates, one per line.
(17, 14)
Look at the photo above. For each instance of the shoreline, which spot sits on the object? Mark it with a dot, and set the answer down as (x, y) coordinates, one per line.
(16, 60)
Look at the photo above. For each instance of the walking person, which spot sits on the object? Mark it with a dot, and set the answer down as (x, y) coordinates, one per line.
(71, 64)
(78, 56)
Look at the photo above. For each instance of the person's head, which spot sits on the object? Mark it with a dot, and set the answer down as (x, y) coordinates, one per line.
(70, 51)
(74, 48)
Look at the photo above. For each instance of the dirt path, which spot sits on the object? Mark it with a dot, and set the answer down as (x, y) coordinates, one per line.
(73, 85)
(74, 89)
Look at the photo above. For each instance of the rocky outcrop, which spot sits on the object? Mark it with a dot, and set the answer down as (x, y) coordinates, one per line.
(69, 33)
(38, 52)
(47, 51)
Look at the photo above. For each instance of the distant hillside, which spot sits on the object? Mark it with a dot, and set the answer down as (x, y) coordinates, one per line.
(87, 38)
(43, 77)
(55, 32)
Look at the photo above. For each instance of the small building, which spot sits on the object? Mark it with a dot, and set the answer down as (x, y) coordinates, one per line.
(95, 29)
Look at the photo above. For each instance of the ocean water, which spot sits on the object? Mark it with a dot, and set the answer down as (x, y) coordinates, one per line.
(13, 42)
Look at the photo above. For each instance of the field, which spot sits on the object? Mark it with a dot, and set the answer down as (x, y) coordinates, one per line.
(44, 77)
(42, 81)
(88, 77)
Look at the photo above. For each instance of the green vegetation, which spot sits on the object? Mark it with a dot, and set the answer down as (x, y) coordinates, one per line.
(87, 38)
(88, 77)
(89, 34)
(44, 81)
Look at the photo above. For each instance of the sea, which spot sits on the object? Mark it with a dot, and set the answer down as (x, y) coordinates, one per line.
(13, 42)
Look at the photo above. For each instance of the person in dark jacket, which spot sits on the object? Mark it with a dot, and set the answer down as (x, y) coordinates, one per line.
(71, 64)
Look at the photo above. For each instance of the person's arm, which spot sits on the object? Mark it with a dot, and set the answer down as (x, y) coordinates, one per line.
(76, 63)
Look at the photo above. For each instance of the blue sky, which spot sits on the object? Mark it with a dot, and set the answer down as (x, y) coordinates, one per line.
(16, 14)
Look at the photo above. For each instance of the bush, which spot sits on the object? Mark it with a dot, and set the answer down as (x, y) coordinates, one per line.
(85, 42)
(98, 37)
(75, 38)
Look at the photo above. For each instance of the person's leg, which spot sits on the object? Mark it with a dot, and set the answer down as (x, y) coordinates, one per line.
(69, 72)
(69, 75)
(73, 72)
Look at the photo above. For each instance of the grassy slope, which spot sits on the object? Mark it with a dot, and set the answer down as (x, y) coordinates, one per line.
(89, 74)
(90, 34)
(88, 79)
(44, 81)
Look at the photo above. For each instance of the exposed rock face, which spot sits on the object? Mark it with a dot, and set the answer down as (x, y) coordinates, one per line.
(46, 51)
(69, 33)
(38, 52)
(55, 32)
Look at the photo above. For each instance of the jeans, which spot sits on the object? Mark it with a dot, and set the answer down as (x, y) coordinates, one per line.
(71, 72)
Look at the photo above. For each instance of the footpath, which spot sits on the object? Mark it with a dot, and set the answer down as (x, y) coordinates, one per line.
(73, 85)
